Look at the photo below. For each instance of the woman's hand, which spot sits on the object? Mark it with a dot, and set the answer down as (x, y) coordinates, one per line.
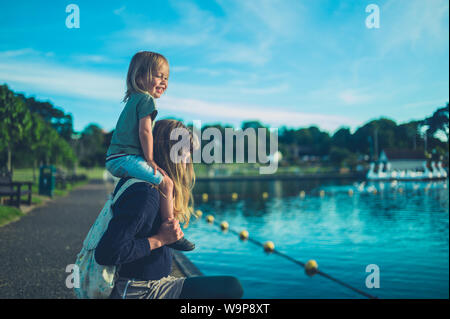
(169, 232)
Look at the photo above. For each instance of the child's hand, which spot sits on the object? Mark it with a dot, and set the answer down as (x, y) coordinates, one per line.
(155, 167)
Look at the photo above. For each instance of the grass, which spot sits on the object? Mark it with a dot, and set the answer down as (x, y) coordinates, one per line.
(92, 173)
(9, 214)
(26, 174)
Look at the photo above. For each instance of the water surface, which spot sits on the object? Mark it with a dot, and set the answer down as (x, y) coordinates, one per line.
(401, 227)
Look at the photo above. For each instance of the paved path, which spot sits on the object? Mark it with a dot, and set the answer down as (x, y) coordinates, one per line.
(35, 250)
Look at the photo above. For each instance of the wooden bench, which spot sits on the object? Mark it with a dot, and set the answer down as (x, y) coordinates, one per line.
(14, 189)
(61, 179)
(76, 178)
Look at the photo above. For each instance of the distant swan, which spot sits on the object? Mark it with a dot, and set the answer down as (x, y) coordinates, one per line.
(441, 169)
(436, 173)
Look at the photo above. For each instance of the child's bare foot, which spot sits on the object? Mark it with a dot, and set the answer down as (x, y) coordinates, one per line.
(182, 244)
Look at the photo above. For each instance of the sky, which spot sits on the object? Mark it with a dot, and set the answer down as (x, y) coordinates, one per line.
(283, 63)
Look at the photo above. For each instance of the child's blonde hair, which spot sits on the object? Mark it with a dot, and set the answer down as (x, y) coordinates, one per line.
(142, 65)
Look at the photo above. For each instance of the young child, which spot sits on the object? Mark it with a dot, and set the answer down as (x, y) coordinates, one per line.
(131, 151)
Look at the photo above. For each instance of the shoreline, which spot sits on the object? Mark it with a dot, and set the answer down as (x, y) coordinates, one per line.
(354, 176)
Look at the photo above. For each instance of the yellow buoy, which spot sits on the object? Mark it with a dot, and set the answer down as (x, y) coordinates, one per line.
(322, 193)
(205, 197)
(210, 219)
(269, 246)
(350, 192)
(243, 235)
(265, 195)
(302, 194)
(198, 213)
(224, 225)
(311, 267)
(400, 190)
(234, 196)
(375, 191)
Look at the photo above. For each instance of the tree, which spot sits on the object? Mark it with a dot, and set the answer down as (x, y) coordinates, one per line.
(91, 147)
(407, 136)
(374, 136)
(342, 157)
(33, 143)
(26, 138)
(61, 122)
(342, 138)
(438, 122)
(15, 122)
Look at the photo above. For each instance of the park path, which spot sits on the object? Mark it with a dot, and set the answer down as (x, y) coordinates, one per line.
(35, 250)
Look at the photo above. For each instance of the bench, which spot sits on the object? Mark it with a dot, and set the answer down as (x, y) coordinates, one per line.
(14, 189)
(62, 179)
(76, 178)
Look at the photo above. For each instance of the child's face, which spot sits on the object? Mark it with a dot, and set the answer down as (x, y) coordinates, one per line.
(160, 80)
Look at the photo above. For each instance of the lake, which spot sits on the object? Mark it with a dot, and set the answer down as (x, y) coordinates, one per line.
(402, 227)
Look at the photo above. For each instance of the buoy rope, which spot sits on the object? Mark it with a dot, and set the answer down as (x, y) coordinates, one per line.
(318, 271)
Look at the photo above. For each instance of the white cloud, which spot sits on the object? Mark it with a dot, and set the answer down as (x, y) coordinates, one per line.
(273, 115)
(353, 97)
(52, 79)
(247, 34)
(29, 52)
(56, 79)
(92, 58)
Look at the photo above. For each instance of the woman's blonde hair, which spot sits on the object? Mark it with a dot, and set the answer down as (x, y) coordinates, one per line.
(183, 177)
(142, 66)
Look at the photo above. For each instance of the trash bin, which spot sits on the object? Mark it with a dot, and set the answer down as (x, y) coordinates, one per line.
(46, 180)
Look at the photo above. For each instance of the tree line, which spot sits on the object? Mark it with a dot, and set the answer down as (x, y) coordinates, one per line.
(33, 133)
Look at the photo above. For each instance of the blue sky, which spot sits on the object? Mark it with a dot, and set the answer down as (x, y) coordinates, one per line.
(294, 63)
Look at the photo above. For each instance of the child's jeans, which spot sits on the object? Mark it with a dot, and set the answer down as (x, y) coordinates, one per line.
(133, 166)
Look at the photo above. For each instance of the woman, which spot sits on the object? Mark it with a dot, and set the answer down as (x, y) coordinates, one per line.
(136, 239)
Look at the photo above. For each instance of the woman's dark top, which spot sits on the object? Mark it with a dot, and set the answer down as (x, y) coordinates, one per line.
(135, 218)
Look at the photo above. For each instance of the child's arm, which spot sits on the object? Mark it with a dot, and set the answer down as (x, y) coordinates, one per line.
(146, 139)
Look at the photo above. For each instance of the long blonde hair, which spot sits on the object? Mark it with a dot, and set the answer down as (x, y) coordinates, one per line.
(140, 72)
(183, 178)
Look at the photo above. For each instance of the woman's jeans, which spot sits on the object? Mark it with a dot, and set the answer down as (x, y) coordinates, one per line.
(197, 287)
(133, 166)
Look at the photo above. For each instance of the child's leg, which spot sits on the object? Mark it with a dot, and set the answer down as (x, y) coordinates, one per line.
(134, 166)
(115, 167)
(167, 211)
